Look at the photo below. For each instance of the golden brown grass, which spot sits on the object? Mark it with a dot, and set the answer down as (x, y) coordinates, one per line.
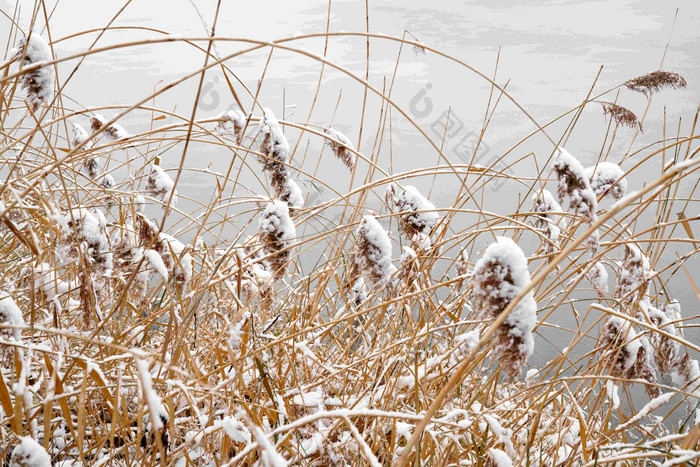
(192, 350)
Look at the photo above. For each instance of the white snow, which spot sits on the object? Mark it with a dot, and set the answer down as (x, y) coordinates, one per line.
(156, 261)
(236, 430)
(230, 121)
(603, 178)
(160, 184)
(647, 409)
(419, 213)
(153, 400)
(294, 196)
(275, 220)
(10, 314)
(79, 135)
(500, 458)
(269, 457)
(29, 453)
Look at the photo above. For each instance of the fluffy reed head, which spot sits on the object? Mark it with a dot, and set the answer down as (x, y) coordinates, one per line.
(372, 252)
(113, 131)
(607, 179)
(546, 209)
(277, 234)
(621, 343)
(633, 275)
(498, 277)
(39, 83)
(621, 115)
(341, 146)
(231, 121)
(416, 215)
(655, 81)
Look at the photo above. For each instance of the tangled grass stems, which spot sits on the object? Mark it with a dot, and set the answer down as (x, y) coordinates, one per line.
(216, 339)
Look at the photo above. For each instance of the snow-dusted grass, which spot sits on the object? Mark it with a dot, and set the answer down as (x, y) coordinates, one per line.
(381, 325)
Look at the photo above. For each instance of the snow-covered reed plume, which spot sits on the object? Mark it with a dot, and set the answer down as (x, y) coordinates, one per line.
(462, 269)
(231, 121)
(633, 274)
(417, 217)
(29, 453)
(160, 184)
(629, 354)
(667, 350)
(599, 277)
(113, 132)
(10, 315)
(292, 195)
(341, 146)
(257, 276)
(91, 164)
(277, 234)
(39, 83)
(78, 136)
(499, 275)
(620, 340)
(175, 255)
(575, 189)
(372, 253)
(275, 156)
(547, 219)
(606, 179)
(84, 230)
(643, 368)
(408, 269)
(275, 151)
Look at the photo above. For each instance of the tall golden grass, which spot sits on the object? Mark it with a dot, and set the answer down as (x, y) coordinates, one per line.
(163, 326)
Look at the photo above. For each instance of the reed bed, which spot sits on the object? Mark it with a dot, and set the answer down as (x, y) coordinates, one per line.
(253, 321)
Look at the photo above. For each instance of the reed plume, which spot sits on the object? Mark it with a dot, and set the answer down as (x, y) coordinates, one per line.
(547, 219)
(498, 277)
(633, 274)
(39, 83)
(277, 234)
(575, 189)
(341, 146)
(372, 253)
(161, 185)
(655, 81)
(417, 217)
(231, 121)
(113, 131)
(606, 179)
(621, 115)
